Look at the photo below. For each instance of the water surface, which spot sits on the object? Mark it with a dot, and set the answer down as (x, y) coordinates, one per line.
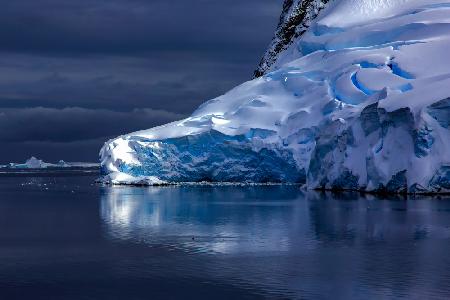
(63, 237)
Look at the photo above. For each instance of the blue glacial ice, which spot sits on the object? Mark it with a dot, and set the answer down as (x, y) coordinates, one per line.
(364, 106)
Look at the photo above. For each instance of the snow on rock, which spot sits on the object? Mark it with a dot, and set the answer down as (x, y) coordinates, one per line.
(363, 104)
(296, 17)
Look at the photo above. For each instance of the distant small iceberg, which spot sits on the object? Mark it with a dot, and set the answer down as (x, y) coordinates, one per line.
(35, 163)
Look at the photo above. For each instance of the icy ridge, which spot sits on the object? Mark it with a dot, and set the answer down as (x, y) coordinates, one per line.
(362, 105)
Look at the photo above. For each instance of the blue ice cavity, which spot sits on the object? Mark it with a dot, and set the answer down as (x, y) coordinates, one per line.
(397, 70)
(368, 65)
(259, 133)
(341, 96)
(371, 40)
(360, 86)
(406, 87)
(320, 29)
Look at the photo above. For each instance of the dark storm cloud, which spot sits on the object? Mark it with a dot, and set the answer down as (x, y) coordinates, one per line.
(131, 26)
(73, 73)
(119, 83)
(83, 150)
(72, 124)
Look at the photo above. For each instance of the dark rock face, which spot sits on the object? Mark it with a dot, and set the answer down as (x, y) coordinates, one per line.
(295, 19)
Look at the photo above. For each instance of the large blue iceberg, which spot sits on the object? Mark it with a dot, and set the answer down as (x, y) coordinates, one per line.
(359, 101)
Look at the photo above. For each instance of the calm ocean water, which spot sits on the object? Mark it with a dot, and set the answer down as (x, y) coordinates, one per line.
(63, 237)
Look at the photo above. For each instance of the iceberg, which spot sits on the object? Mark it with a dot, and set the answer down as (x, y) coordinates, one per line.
(35, 163)
(31, 163)
(357, 100)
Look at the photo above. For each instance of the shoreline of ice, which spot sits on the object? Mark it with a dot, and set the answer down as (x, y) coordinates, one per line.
(154, 182)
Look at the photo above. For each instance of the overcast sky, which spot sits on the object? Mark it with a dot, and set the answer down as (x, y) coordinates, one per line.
(76, 73)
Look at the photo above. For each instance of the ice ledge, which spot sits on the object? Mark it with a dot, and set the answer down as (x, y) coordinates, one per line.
(122, 179)
(119, 178)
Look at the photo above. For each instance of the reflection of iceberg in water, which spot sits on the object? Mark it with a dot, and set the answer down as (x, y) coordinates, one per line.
(220, 220)
(282, 241)
(127, 209)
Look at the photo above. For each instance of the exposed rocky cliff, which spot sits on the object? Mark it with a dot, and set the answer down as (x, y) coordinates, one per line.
(295, 19)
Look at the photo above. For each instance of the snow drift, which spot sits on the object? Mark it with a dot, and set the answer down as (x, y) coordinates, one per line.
(358, 101)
